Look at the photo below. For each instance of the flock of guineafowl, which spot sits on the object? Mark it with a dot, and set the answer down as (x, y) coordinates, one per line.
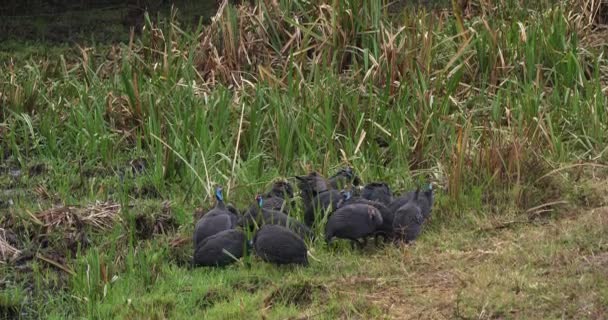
(338, 204)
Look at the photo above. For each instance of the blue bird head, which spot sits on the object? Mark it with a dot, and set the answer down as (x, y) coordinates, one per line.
(218, 194)
(429, 191)
(346, 195)
(260, 200)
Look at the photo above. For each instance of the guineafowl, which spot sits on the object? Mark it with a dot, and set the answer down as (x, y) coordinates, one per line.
(279, 198)
(216, 220)
(408, 220)
(281, 189)
(279, 245)
(344, 178)
(378, 191)
(210, 252)
(353, 221)
(401, 200)
(425, 201)
(386, 229)
(260, 216)
(319, 204)
(311, 185)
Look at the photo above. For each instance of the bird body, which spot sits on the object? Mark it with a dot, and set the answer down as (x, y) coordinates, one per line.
(260, 216)
(279, 245)
(311, 185)
(343, 178)
(424, 200)
(386, 229)
(353, 222)
(318, 193)
(279, 197)
(320, 203)
(378, 191)
(213, 222)
(216, 220)
(210, 251)
(281, 189)
(408, 220)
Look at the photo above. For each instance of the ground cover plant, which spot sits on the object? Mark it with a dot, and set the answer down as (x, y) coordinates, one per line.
(110, 153)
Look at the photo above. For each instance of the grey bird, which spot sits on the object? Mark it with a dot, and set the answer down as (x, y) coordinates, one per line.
(211, 251)
(312, 184)
(408, 220)
(319, 193)
(425, 201)
(279, 198)
(386, 229)
(378, 191)
(320, 203)
(344, 178)
(260, 216)
(279, 245)
(353, 222)
(216, 220)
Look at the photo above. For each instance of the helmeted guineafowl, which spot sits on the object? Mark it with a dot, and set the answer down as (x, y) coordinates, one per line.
(344, 178)
(210, 251)
(279, 197)
(279, 245)
(378, 191)
(260, 216)
(353, 222)
(320, 203)
(408, 220)
(218, 219)
(310, 185)
(424, 200)
(386, 229)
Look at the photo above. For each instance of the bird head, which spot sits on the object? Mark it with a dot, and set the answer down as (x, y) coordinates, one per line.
(282, 189)
(348, 172)
(346, 194)
(260, 200)
(218, 193)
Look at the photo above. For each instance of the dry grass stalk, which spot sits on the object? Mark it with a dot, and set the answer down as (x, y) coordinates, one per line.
(7, 251)
(120, 115)
(240, 39)
(101, 216)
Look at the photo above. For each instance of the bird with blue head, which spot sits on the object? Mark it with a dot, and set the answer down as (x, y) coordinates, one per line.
(259, 216)
(354, 220)
(218, 219)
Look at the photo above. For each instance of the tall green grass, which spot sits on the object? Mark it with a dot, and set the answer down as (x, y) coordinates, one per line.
(343, 82)
(486, 106)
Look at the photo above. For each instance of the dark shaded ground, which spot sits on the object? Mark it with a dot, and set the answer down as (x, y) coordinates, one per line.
(105, 21)
(61, 21)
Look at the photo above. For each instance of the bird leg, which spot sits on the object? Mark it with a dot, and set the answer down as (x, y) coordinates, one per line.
(376, 239)
(384, 236)
(363, 243)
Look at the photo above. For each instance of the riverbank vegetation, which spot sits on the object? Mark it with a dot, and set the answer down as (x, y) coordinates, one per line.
(109, 150)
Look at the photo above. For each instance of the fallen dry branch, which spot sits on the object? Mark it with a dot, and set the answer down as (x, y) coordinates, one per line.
(56, 264)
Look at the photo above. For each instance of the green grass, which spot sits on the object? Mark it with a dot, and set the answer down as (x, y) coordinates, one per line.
(508, 118)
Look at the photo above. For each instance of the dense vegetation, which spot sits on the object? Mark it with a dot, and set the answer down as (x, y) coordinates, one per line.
(108, 149)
